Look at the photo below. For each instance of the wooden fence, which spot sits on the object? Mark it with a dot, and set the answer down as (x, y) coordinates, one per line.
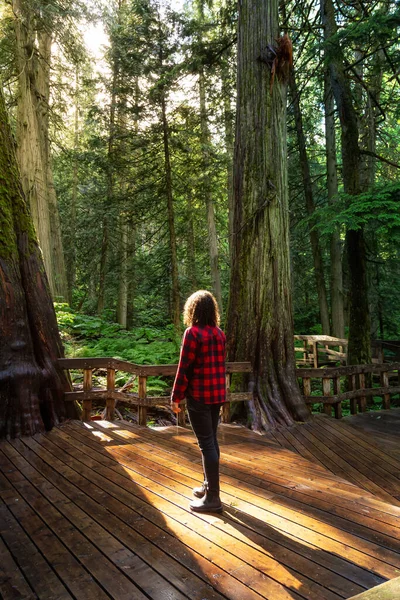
(357, 376)
(317, 350)
(325, 350)
(111, 395)
(331, 377)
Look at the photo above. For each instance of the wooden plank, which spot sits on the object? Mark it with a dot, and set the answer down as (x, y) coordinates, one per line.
(76, 492)
(355, 503)
(224, 526)
(349, 466)
(36, 570)
(125, 563)
(283, 515)
(323, 339)
(274, 512)
(386, 591)
(29, 558)
(66, 548)
(13, 585)
(126, 490)
(350, 451)
(365, 444)
(364, 504)
(347, 371)
(144, 370)
(267, 468)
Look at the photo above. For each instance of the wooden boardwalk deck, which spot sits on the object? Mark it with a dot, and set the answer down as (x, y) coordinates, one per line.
(101, 511)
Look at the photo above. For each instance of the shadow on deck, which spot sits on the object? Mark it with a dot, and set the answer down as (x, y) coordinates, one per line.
(100, 510)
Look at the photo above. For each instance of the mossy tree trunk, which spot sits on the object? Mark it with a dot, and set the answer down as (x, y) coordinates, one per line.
(260, 327)
(33, 149)
(359, 349)
(32, 386)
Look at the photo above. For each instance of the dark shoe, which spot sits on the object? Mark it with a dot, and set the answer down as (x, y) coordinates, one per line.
(209, 503)
(199, 492)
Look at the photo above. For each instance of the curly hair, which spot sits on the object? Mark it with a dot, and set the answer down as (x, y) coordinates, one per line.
(201, 308)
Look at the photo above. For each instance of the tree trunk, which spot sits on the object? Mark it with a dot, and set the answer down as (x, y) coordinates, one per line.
(175, 295)
(32, 386)
(122, 306)
(33, 152)
(229, 145)
(260, 327)
(110, 195)
(29, 147)
(310, 207)
(206, 188)
(60, 291)
(191, 251)
(359, 349)
(71, 263)
(333, 190)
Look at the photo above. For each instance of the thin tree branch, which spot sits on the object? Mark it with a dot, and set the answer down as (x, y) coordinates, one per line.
(381, 158)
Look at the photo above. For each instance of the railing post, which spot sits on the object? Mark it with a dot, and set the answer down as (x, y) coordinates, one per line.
(87, 402)
(142, 410)
(182, 415)
(353, 401)
(337, 407)
(305, 351)
(315, 352)
(307, 390)
(362, 401)
(110, 402)
(326, 388)
(226, 408)
(307, 386)
(385, 383)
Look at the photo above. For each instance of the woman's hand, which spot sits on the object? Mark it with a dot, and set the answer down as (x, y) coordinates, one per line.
(175, 407)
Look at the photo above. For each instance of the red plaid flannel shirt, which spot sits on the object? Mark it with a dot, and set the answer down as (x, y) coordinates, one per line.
(201, 369)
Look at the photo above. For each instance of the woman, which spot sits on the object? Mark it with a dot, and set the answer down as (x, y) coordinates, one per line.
(201, 379)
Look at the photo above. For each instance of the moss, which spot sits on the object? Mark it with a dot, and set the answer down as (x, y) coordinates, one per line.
(14, 213)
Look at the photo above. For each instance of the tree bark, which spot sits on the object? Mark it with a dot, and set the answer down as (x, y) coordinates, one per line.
(336, 282)
(122, 306)
(229, 146)
(32, 386)
(191, 246)
(206, 188)
(71, 262)
(359, 349)
(110, 194)
(59, 277)
(33, 63)
(260, 327)
(310, 207)
(175, 294)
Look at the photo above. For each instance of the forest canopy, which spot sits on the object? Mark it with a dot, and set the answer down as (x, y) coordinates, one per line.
(135, 135)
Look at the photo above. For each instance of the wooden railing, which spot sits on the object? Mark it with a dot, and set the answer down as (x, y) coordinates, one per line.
(325, 350)
(332, 396)
(111, 395)
(319, 349)
(331, 377)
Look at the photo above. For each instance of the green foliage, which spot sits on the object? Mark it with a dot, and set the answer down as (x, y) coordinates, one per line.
(92, 336)
(381, 206)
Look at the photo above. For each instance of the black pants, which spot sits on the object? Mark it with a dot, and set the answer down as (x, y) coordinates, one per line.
(204, 420)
